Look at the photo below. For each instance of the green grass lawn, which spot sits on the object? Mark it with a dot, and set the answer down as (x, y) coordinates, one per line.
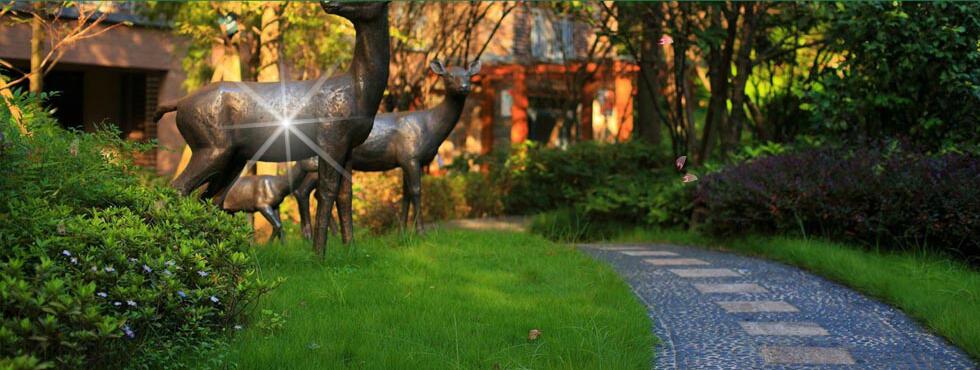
(941, 293)
(451, 299)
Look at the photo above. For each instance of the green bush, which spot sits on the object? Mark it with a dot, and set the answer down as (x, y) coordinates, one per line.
(909, 69)
(377, 198)
(98, 271)
(541, 179)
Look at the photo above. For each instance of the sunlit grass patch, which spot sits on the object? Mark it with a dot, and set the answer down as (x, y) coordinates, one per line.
(451, 299)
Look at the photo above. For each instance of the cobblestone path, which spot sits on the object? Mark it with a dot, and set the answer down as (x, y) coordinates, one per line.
(715, 310)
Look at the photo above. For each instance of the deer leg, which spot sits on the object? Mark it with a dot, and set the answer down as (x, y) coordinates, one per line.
(345, 207)
(223, 181)
(406, 198)
(415, 189)
(272, 215)
(204, 164)
(328, 183)
(302, 195)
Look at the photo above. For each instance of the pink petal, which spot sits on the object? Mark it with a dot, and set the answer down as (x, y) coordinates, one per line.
(680, 162)
(666, 40)
(689, 178)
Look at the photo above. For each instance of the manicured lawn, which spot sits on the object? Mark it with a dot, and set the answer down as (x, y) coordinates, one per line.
(941, 293)
(452, 299)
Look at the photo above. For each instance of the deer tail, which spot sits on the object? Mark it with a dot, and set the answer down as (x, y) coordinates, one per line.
(164, 109)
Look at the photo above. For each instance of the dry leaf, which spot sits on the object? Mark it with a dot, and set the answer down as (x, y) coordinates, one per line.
(533, 334)
(689, 178)
(680, 162)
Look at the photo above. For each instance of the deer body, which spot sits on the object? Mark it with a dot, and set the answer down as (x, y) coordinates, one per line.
(406, 140)
(218, 122)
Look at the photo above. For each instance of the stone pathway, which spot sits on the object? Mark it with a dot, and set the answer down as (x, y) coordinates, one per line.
(714, 310)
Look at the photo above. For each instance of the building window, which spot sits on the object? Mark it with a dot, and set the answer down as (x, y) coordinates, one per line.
(506, 103)
(551, 36)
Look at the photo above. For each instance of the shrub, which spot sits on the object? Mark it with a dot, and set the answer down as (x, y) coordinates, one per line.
(909, 68)
(98, 271)
(377, 198)
(542, 179)
(884, 196)
(648, 197)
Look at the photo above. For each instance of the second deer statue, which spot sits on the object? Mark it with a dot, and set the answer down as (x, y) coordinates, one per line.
(263, 194)
(407, 140)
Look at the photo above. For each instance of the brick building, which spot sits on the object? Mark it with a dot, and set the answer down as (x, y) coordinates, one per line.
(118, 77)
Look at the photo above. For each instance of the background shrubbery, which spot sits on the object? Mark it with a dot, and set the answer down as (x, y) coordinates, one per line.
(884, 196)
(881, 196)
(98, 270)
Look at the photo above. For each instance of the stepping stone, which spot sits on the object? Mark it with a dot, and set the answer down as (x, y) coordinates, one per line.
(702, 273)
(807, 355)
(675, 261)
(649, 253)
(795, 329)
(730, 288)
(617, 248)
(757, 306)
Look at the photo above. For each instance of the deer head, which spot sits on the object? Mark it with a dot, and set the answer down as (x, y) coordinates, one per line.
(456, 79)
(356, 11)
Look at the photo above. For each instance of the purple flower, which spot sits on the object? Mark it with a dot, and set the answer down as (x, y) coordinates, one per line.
(203, 273)
(128, 331)
(117, 303)
(214, 299)
(66, 253)
(74, 260)
(147, 268)
(181, 294)
(132, 303)
(110, 269)
(102, 294)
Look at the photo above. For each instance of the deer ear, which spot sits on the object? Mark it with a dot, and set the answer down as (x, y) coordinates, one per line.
(437, 67)
(474, 67)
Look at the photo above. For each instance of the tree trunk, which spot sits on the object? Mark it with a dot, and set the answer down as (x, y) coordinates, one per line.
(37, 35)
(269, 41)
(268, 71)
(743, 67)
(719, 71)
(648, 124)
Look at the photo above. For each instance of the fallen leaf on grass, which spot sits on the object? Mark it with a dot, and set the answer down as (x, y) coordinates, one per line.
(533, 334)
(689, 178)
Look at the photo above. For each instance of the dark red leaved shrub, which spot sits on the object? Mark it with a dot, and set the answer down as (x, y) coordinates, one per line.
(885, 197)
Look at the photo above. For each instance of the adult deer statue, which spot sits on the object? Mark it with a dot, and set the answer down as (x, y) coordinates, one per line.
(226, 124)
(407, 140)
(263, 194)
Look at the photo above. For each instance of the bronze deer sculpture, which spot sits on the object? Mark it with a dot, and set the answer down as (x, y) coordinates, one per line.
(263, 194)
(227, 124)
(404, 139)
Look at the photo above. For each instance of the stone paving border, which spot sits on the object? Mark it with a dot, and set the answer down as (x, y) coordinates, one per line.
(724, 311)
